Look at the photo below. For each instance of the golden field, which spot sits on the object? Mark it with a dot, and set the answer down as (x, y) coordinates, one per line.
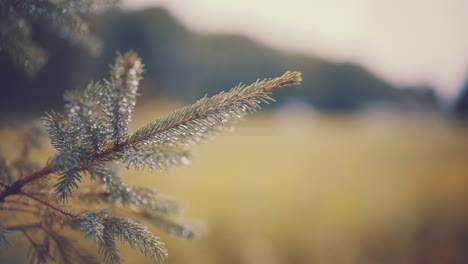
(300, 187)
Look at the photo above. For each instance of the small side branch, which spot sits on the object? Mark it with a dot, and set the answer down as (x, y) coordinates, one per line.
(23, 226)
(15, 188)
(54, 207)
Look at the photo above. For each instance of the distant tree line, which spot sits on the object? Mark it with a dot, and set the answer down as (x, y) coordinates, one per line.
(182, 64)
(460, 107)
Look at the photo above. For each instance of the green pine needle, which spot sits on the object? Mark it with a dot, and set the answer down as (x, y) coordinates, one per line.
(195, 122)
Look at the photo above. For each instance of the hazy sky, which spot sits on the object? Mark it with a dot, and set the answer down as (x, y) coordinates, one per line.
(403, 41)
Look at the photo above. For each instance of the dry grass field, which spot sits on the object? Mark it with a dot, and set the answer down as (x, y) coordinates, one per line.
(300, 187)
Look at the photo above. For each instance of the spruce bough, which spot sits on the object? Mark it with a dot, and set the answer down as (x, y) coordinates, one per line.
(90, 137)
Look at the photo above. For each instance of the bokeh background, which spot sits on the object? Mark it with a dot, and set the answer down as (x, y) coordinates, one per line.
(365, 162)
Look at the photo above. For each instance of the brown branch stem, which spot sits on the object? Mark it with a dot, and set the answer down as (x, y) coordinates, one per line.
(23, 226)
(50, 205)
(15, 188)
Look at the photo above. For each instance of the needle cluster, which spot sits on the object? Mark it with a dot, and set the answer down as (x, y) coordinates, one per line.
(90, 137)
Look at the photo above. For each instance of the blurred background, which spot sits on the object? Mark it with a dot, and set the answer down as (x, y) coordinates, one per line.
(365, 162)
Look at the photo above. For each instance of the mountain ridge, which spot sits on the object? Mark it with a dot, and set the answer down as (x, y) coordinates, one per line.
(185, 65)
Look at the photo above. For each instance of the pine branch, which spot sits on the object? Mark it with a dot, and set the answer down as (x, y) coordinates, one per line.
(120, 96)
(156, 203)
(71, 159)
(104, 229)
(118, 193)
(171, 226)
(160, 157)
(15, 188)
(83, 116)
(16, 17)
(93, 133)
(87, 6)
(137, 236)
(61, 18)
(69, 163)
(66, 182)
(60, 133)
(190, 124)
(108, 248)
(14, 35)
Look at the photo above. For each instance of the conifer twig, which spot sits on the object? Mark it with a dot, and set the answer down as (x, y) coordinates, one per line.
(15, 188)
(50, 205)
(201, 116)
(191, 123)
(92, 134)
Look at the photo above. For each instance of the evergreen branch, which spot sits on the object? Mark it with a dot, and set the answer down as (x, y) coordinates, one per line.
(192, 123)
(137, 236)
(120, 96)
(83, 116)
(14, 36)
(92, 226)
(172, 226)
(18, 18)
(69, 163)
(71, 159)
(64, 20)
(155, 202)
(103, 228)
(15, 188)
(118, 193)
(86, 6)
(59, 130)
(108, 248)
(188, 124)
(160, 157)
(78, 159)
(66, 182)
(62, 161)
(95, 131)
(24, 54)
